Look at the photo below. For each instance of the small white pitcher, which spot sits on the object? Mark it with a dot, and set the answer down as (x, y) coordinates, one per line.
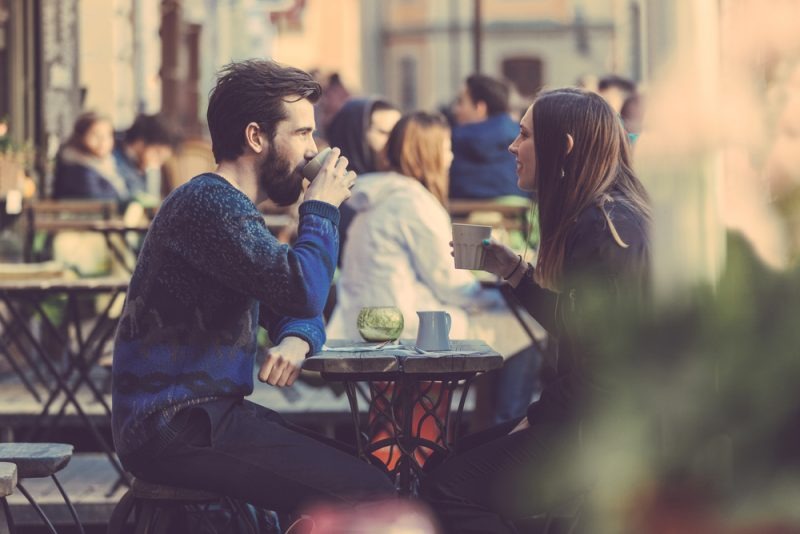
(434, 330)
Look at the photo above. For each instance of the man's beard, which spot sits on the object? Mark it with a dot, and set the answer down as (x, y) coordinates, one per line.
(276, 176)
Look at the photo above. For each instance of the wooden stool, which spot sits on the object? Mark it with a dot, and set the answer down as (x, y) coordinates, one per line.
(8, 481)
(39, 460)
(159, 508)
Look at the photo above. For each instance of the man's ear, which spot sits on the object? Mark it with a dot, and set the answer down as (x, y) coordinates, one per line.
(254, 139)
(570, 144)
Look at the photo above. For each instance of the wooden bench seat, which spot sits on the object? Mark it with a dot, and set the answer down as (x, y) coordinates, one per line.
(36, 460)
(8, 478)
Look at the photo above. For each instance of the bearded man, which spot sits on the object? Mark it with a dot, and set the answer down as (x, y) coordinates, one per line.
(208, 275)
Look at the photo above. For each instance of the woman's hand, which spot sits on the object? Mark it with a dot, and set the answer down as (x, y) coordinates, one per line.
(500, 259)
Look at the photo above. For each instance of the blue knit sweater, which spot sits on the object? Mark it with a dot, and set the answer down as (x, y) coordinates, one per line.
(208, 274)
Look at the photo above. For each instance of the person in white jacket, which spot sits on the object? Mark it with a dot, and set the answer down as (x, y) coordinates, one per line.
(398, 252)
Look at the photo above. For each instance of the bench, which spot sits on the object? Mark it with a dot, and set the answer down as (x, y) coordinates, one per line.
(39, 460)
(8, 481)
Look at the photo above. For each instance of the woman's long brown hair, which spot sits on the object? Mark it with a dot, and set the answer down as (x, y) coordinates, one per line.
(568, 183)
(415, 149)
(83, 124)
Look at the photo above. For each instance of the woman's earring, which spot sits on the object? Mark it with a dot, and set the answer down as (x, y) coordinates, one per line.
(562, 172)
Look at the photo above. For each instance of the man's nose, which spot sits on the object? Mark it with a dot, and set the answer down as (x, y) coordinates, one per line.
(311, 149)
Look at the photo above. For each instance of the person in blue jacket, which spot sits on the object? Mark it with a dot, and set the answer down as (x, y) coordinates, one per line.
(482, 166)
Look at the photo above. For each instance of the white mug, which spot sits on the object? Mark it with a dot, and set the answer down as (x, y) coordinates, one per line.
(434, 330)
(313, 167)
(468, 249)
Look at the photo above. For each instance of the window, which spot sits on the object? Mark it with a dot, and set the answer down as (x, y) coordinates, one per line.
(525, 73)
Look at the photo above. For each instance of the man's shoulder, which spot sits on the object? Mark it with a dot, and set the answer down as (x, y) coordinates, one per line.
(496, 127)
(206, 185)
(206, 194)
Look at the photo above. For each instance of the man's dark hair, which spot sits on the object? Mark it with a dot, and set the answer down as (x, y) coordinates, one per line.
(253, 91)
(612, 80)
(152, 130)
(493, 92)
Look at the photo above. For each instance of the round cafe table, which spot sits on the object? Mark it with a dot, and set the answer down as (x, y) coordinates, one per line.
(400, 378)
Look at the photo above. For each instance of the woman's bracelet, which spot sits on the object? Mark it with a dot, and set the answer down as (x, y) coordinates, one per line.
(512, 273)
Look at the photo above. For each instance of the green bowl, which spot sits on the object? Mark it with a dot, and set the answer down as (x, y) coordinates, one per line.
(382, 323)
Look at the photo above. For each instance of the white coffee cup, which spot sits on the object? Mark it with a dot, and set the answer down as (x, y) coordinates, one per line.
(313, 167)
(434, 330)
(468, 247)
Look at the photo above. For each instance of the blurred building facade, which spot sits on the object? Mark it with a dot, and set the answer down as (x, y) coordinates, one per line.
(423, 49)
(119, 58)
(123, 57)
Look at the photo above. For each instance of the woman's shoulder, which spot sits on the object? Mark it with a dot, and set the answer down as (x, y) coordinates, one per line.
(608, 240)
(595, 223)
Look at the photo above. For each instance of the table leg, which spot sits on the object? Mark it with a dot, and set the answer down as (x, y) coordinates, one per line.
(62, 386)
(93, 348)
(116, 252)
(20, 373)
(352, 398)
(74, 359)
(9, 327)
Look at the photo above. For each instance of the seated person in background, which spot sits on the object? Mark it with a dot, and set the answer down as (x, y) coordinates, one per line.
(208, 275)
(398, 253)
(482, 166)
(360, 129)
(632, 114)
(143, 148)
(616, 90)
(85, 168)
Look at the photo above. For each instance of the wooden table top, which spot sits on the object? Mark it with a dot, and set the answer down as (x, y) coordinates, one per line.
(57, 284)
(78, 225)
(465, 356)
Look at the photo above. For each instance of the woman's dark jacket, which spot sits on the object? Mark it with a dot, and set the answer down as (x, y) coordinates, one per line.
(601, 281)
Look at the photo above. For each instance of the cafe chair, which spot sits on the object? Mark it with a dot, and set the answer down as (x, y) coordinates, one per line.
(39, 460)
(159, 508)
(8, 481)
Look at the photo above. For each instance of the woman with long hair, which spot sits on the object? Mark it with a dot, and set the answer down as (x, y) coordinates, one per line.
(397, 251)
(85, 168)
(572, 152)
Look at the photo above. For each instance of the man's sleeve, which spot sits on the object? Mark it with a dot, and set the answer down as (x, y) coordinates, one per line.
(312, 330)
(228, 240)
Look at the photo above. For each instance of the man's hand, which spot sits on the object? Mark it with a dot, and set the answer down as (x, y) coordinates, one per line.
(283, 362)
(333, 182)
